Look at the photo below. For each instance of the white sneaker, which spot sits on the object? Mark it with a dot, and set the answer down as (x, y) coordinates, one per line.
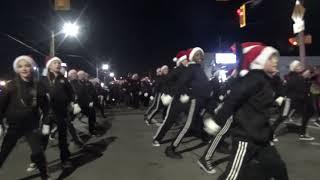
(155, 143)
(306, 137)
(32, 167)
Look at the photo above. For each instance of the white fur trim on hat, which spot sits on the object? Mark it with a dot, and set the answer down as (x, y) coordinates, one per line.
(51, 60)
(261, 59)
(182, 58)
(243, 72)
(247, 49)
(193, 52)
(293, 65)
(23, 57)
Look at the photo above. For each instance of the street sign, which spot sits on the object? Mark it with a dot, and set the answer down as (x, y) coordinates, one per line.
(298, 27)
(62, 5)
(297, 17)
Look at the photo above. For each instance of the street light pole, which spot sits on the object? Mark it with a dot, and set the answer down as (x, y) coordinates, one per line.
(302, 48)
(52, 46)
(298, 28)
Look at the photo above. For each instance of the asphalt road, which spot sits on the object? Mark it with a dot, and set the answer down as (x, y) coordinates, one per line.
(125, 152)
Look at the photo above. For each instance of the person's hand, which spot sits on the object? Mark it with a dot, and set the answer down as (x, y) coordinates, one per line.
(45, 129)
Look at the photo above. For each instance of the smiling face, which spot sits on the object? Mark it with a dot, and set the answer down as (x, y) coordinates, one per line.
(24, 69)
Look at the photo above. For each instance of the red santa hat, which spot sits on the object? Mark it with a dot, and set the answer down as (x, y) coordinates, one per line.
(51, 60)
(23, 57)
(181, 56)
(192, 51)
(255, 56)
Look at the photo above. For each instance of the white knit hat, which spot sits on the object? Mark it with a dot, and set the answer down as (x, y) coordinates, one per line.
(51, 60)
(23, 57)
(294, 64)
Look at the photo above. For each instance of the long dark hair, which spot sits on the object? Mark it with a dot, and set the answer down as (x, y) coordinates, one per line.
(34, 89)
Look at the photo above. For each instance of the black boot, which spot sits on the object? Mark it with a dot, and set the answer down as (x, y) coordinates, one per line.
(171, 153)
(41, 163)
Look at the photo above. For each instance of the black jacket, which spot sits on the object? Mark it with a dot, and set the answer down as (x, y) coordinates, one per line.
(249, 103)
(135, 86)
(172, 80)
(60, 90)
(196, 81)
(21, 102)
(86, 93)
(297, 88)
(278, 86)
(163, 86)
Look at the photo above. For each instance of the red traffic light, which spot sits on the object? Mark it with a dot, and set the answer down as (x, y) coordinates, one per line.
(239, 12)
(293, 41)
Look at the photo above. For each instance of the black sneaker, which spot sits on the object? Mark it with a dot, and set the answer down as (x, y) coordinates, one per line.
(67, 165)
(317, 123)
(155, 143)
(171, 153)
(206, 166)
(306, 137)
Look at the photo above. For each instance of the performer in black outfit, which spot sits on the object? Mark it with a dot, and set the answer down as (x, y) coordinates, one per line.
(20, 103)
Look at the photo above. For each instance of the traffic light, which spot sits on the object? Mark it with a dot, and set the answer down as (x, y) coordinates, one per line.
(293, 41)
(62, 5)
(242, 15)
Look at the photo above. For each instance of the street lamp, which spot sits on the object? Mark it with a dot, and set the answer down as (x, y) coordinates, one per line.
(111, 74)
(105, 67)
(70, 29)
(3, 83)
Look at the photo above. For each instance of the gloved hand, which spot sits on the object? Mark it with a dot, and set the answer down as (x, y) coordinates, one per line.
(91, 104)
(184, 98)
(140, 93)
(45, 129)
(211, 127)
(166, 99)
(145, 94)
(280, 100)
(76, 109)
(151, 98)
(221, 98)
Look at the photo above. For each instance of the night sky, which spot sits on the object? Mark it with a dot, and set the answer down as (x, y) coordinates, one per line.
(139, 35)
